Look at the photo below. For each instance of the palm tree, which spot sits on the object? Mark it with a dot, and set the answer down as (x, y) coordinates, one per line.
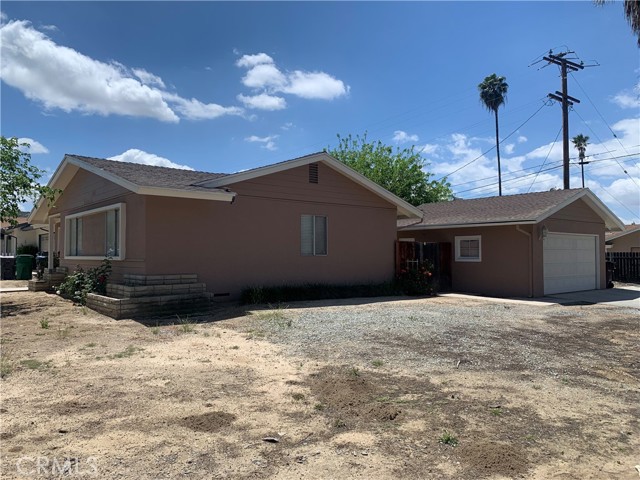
(493, 91)
(581, 142)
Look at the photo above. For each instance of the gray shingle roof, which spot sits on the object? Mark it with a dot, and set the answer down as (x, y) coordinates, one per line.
(150, 175)
(506, 209)
(627, 230)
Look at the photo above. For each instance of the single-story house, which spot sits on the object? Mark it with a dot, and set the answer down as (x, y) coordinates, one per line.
(21, 234)
(307, 220)
(526, 245)
(628, 240)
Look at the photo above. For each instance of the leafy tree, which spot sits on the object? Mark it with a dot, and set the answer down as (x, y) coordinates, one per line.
(580, 142)
(19, 180)
(493, 91)
(400, 171)
(632, 12)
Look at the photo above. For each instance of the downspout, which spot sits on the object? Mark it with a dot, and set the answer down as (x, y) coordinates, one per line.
(530, 259)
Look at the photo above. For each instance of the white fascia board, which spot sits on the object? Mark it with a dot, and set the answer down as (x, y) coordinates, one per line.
(611, 221)
(465, 225)
(404, 208)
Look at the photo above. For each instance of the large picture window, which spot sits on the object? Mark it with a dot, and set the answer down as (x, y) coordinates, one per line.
(469, 249)
(313, 239)
(96, 233)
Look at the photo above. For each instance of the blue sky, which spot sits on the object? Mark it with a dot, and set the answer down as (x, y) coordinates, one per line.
(223, 87)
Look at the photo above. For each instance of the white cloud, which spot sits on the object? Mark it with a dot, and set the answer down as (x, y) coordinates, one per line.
(509, 148)
(522, 139)
(268, 142)
(49, 28)
(133, 155)
(287, 126)
(264, 76)
(148, 78)
(3, 17)
(315, 85)
(61, 77)
(34, 148)
(263, 101)
(628, 98)
(428, 149)
(403, 137)
(249, 61)
(193, 109)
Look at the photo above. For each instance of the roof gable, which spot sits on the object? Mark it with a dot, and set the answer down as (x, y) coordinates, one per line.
(628, 229)
(518, 209)
(404, 208)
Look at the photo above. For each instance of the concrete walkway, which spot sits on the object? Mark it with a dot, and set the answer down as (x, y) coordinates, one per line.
(14, 289)
(627, 296)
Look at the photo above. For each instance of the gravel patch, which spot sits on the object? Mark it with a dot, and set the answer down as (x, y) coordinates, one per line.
(423, 334)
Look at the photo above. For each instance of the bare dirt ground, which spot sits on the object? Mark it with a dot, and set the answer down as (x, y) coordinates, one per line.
(463, 389)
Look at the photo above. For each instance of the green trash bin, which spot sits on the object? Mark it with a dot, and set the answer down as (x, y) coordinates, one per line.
(24, 267)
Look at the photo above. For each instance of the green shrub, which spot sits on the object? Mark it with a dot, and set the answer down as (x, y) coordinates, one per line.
(293, 293)
(417, 280)
(82, 282)
(27, 250)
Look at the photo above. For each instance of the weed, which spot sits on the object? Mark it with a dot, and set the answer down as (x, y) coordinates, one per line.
(44, 323)
(530, 438)
(297, 396)
(185, 326)
(377, 363)
(155, 330)
(496, 412)
(206, 334)
(354, 372)
(7, 363)
(63, 332)
(339, 423)
(33, 364)
(447, 438)
(91, 345)
(277, 315)
(84, 310)
(319, 407)
(537, 387)
(235, 347)
(127, 352)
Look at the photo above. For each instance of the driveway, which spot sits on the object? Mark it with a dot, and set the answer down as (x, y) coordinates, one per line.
(627, 296)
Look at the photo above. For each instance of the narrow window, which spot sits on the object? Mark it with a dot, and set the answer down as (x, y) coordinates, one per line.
(313, 173)
(112, 247)
(313, 235)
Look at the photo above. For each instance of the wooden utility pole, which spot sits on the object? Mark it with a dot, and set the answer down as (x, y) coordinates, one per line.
(566, 101)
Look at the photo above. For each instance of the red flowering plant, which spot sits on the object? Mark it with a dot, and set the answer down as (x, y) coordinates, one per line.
(417, 279)
(81, 282)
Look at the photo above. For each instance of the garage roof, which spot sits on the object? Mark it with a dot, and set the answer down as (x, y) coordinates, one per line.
(526, 208)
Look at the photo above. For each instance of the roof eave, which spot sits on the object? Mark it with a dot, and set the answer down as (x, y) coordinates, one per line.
(466, 225)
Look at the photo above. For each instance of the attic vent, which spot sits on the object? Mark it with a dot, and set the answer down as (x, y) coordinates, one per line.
(313, 173)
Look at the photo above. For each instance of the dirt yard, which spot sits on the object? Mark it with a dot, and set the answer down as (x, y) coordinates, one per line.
(411, 388)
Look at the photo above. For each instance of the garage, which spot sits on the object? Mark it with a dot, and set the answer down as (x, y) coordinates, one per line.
(570, 263)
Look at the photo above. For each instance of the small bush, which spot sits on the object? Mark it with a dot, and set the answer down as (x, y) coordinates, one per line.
(318, 291)
(44, 323)
(417, 280)
(447, 438)
(80, 283)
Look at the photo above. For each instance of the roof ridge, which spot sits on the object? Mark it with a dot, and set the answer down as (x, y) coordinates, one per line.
(80, 157)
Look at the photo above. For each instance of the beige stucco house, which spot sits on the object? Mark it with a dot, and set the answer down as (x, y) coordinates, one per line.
(526, 245)
(307, 220)
(628, 240)
(21, 234)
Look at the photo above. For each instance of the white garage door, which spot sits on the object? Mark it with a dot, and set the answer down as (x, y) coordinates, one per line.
(570, 263)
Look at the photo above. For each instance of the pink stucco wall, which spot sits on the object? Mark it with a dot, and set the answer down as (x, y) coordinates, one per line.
(512, 262)
(255, 241)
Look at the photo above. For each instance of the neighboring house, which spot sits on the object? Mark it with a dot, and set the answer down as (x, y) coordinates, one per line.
(525, 245)
(627, 240)
(23, 233)
(307, 220)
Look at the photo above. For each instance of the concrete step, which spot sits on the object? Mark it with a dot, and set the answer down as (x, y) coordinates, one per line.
(118, 290)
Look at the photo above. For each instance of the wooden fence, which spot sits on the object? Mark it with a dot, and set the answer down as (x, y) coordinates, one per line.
(626, 266)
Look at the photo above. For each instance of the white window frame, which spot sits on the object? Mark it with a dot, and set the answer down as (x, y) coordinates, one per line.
(326, 223)
(121, 232)
(460, 258)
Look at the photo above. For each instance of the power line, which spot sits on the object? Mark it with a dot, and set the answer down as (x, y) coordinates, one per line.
(501, 141)
(510, 180)
(547, 157)
(635, 215)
